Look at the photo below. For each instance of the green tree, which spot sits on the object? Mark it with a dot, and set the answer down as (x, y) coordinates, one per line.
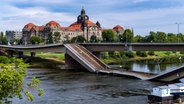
(56, 37)
(3, 39)
(12, 81)
(35, 40)
(151, 37)
(2, 34)
(78, 39)
(127, 36)
(93, 39)
(108, 36)
(49, 39)
(161, 37)
(180, 37)
(171, 38)
(138, 39)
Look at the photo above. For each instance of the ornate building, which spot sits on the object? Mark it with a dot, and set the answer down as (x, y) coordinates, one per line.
(83, 26)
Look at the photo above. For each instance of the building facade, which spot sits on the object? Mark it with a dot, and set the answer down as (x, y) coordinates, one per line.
(12, 35)
(82, 27)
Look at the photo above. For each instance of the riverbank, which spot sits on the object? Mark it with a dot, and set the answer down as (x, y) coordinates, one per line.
(56, 60)
(37, 62)
(159, 57)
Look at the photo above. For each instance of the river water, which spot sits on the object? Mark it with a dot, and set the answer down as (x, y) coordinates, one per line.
(78, 87)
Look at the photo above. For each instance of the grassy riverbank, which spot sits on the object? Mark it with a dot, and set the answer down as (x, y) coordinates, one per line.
(38, 62)
(165, 56)
(55, 59)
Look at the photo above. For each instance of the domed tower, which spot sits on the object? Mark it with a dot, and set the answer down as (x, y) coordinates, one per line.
(82, 17)
(27, 33)
(118, 29)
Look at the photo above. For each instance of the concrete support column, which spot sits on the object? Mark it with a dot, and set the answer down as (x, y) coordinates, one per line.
(33, 54)
(70, 63)
(97, 54)
(20, 54)
(10, 53)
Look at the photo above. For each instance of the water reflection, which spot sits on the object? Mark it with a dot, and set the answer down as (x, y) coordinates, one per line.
(144, 66)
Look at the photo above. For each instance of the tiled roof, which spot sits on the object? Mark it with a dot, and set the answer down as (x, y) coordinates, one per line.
(52, 24)
(38, 28)
(74, 26)
(77, 26)
(29, 26)
(118, 27)
(89, 23)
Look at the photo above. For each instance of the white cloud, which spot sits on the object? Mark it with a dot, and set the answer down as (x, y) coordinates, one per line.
(15, 18)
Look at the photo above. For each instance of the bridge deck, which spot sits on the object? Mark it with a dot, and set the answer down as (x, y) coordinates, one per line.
(82, 54)
(95, 65)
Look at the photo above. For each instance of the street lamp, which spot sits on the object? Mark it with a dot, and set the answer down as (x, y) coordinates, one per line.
(178, 25)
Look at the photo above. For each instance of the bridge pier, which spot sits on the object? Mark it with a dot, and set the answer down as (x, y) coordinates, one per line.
(70, 63)
(33, 54)
(10, 53)
(20, 54)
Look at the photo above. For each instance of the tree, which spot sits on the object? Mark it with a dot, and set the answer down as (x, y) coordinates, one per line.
(49, 39)
(127, 36)
(78, 39)
(56, 37)
(35, 40)
(12, 81)
(171, 38)
(161, 37)
(138, 39)
(108, 36)
(3, 39)
(93, 39)
(151, 37)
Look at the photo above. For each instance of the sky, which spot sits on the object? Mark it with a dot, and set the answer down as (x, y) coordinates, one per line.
(141, 15)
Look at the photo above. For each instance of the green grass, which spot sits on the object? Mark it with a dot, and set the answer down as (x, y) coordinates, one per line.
(59, 56)
(158, 54)
(168, 55)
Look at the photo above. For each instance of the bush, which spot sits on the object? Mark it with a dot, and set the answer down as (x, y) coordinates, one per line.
(151, 53)
(130, 54)
(117, 54)
(141, 53)
(181, 52)
(4, 60)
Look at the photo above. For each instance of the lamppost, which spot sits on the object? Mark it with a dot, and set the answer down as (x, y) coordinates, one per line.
(178, 26)
(87, 33)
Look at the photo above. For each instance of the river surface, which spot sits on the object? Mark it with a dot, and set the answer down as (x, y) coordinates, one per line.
(78, 87)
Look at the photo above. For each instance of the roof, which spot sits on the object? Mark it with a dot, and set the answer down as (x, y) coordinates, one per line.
(38, 28)
(74, 26)
(53, 24)
(77, 26)
(29, 25)
(118, 27)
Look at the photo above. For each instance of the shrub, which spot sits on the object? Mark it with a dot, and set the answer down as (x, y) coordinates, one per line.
(130, 54)
(141, 53)
(151, 53)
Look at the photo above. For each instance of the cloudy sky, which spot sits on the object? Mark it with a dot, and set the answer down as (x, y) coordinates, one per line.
(141, 15)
